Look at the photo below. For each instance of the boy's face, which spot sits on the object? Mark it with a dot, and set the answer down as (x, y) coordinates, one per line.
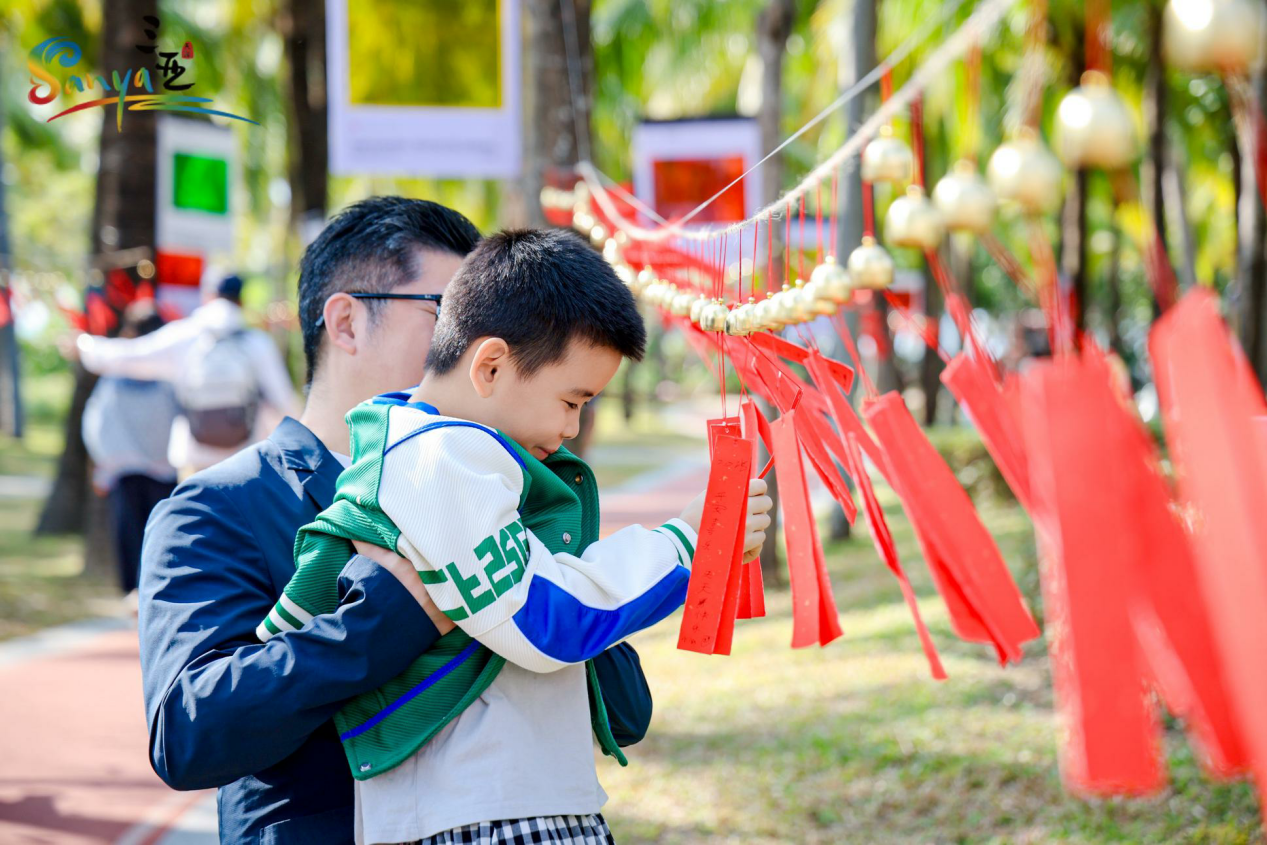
(541, 411)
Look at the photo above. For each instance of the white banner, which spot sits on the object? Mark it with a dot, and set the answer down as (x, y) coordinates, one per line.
(197, 169)
(424, 88)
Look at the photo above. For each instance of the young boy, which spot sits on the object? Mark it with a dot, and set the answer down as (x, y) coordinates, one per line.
(485, 738)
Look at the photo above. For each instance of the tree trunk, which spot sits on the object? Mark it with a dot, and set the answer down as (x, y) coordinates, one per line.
(303, 24)
(858, 43)
(557, 103)
(1251, 296)
(1114, 285)
(774, 26)
(1153, 170)
(930, 367)
(1073, 245)
(123, 218)
(557, 98)
(10, 371)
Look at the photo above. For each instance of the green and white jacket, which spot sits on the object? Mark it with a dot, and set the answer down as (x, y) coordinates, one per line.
(508, 548)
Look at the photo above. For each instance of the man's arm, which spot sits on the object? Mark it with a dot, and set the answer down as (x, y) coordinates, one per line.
(220, 705)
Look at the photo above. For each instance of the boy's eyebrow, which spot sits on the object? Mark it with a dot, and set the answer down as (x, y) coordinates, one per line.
(582, 392)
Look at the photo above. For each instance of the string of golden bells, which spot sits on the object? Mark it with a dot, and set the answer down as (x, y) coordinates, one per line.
(1094, 129)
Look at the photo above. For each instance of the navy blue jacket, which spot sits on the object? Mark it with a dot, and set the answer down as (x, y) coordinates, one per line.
(254, 719)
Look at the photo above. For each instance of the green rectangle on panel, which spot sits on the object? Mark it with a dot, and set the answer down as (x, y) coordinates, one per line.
(200, 183)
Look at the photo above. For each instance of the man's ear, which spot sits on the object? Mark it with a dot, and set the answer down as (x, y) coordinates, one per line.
(488, 363)
(340, 313)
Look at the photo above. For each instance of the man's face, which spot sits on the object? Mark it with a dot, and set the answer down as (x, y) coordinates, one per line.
(396, 345)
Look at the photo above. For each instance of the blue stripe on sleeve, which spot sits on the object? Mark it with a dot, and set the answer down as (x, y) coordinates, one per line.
(563, 628)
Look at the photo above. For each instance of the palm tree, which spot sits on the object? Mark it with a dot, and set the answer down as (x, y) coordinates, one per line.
(123, 218)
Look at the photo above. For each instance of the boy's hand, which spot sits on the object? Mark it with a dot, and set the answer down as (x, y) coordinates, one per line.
(407, 575)
(758, 510)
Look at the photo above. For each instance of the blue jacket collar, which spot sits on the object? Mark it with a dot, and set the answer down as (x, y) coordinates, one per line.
(313, 464)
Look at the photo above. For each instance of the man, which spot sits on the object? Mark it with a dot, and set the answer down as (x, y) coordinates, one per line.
(224, 373)
(254, 719)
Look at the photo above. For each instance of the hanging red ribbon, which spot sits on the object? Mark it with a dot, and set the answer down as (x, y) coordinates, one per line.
(721, 529)
(965, 562)
(1111, 738)
(887, 550)
(1210, 402)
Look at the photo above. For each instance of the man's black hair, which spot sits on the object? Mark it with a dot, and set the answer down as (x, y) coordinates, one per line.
(372, 247)
(536, 290)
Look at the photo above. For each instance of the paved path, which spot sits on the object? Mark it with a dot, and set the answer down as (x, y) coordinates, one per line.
(73, 763)
(74, 767)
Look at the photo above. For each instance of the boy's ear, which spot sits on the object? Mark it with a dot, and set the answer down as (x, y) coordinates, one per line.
(488, 363)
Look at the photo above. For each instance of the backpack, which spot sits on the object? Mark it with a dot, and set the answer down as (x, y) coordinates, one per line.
(218, 392)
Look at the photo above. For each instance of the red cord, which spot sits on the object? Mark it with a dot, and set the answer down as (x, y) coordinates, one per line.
(800, 252)
(835, 179)
(917, 132)
(819, 252)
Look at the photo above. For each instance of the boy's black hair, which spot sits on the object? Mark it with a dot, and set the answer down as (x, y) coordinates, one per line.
(372, 247)
(536, 290)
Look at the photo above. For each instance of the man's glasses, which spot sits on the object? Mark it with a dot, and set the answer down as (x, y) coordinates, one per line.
(417, 297)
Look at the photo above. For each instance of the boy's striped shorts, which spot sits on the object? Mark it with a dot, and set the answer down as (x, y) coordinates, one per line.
(554, 830)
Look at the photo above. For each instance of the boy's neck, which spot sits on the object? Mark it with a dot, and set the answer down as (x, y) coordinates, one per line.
(442, 394)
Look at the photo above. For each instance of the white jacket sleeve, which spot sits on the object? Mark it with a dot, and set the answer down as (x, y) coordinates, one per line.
(158, 356)
(276, 388)
(453, 490)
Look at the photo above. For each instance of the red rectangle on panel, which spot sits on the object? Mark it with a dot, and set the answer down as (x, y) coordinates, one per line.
(682, 184)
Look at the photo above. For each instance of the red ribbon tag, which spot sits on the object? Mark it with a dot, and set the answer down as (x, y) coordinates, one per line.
(1209, 403)
(725, 503)
(751, 582)
(950, 528)
(814, 618)
(971, 381)
(887, 550)
(1112, 741)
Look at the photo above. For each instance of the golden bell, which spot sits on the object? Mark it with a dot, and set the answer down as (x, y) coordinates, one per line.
(1094, 128)
(651, 292)
(870, 266)
(626, 276)
(1201, 36)
(765, 315)
(913, 221)
(667, 294)
(697, 307)
(611, 252)
(680, 306)
(965, 200)
(739, 321)
(712, 317)
(832, 280)
(793, 305)
(1025, 172)
(887, 159)
(644, 279)
(820, 302)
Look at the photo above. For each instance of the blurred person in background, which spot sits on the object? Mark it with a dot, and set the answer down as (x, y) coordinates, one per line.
(230, 381)
(126, 428)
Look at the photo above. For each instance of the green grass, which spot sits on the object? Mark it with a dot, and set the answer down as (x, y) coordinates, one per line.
(42, 579)
(855, 743)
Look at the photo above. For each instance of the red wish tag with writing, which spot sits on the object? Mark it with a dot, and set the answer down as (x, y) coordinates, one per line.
(721, 527)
